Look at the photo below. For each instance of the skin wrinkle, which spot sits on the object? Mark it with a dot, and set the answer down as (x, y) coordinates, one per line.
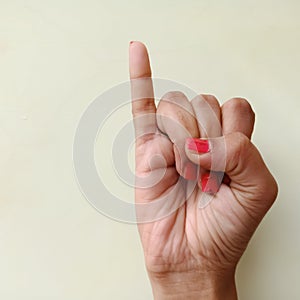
(210, 215)
(247, 210)
(161, 257)
(201, 243)
(144, 108)
(215, 248)
(192, 228)
(242, 220)
(181, 242)
(145, 149)
(168, 178)
(223, 237)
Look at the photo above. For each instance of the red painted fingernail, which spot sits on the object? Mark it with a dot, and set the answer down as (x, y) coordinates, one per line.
(198, 145)
(210, 183)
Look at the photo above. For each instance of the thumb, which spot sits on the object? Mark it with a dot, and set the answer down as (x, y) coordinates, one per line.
(239, 158)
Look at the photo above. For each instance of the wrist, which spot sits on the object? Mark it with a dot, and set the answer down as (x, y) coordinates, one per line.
(193, 285)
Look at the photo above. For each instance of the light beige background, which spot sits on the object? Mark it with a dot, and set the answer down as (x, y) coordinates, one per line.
(56, 56)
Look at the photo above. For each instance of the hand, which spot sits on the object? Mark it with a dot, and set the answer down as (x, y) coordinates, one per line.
(192, 252)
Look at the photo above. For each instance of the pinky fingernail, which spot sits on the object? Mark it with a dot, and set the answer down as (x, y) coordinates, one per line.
(210, 183)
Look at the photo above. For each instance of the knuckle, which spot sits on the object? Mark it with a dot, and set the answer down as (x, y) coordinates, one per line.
(210, 99)
(240, 105)
(175, 115)
(142, 107)
(174, 103)
(173, 96)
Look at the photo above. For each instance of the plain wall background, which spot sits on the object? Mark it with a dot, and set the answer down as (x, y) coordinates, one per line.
(57, 56)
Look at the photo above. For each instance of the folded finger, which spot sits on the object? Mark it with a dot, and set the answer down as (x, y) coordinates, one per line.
(237, 116)
(208, 113)
(175, 118)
